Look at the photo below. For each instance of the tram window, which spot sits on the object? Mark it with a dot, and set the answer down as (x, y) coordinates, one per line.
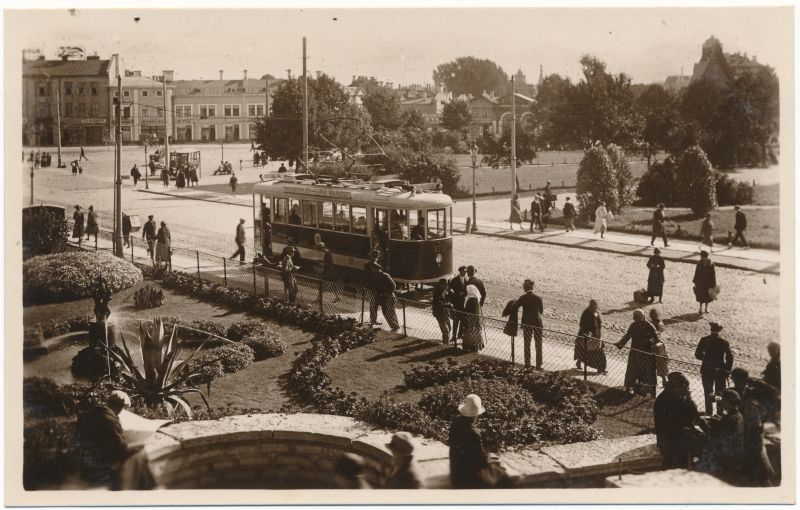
(294, 212)
(309, 213)
(281, 208)
(326, 216)
(359, 218)
(398, 224)
(437, 224)
(417, 224)
(342, 218)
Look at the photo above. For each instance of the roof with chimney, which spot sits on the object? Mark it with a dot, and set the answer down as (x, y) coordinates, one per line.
(140, 82)
(65, 68)
(248, 86)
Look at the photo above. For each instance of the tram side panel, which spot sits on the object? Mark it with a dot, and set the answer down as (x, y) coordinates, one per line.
(421, 261)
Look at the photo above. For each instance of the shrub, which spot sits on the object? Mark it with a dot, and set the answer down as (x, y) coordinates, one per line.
(72, 275)
(207, 326)
(596, 182)
(204, 372)
(695, 181)
(239, 330)
(48, 453)
(657, 184)
(148, 297)
(31, 337)
(234, 357)
(93, 362)
(43, 398)
(424, 167)
(732, 192)
(265, 345)
(43, 232)
(510, 410)
(623, 174)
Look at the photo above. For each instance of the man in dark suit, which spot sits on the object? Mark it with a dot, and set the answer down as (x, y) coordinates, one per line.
(658, 226)
(532, 309)
(372, 270)
(716, 358)
(458, 286)
(536, 213)
(740, 226)
(473, 280)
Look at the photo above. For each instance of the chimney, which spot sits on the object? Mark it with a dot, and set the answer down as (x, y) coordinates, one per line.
(168, 76)
(220, 75)
(245, 74)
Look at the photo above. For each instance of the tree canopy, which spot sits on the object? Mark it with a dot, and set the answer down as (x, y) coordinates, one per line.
(456, 115)
(472, 76)
(383, 106)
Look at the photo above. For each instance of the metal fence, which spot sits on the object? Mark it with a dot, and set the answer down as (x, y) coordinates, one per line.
(415, 319)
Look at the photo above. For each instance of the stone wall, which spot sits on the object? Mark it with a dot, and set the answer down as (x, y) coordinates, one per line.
(279, 451)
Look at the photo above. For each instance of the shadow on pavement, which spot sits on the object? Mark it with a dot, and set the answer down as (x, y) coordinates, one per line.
(629, 307)
(686, 317)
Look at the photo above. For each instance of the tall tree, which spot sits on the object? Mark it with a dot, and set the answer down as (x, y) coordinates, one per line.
(383, 106)
(657, 109)
(470, 75)
(329, 112)
(695, 182)
(497, 151)
(596, 181)
(456, 115)
(552, 104)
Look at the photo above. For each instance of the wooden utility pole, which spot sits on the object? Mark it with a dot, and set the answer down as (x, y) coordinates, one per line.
(266, 113)
(305, 110)
(166, 119)
(513, 139)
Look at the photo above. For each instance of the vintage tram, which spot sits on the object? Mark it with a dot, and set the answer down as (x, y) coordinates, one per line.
(410, 225)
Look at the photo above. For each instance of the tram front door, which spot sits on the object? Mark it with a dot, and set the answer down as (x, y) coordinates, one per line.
(380, 235)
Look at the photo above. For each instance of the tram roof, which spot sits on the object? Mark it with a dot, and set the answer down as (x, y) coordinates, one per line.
(388, 193)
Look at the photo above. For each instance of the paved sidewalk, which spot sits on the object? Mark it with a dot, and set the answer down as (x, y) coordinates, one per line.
(762, 261)
(757, 260)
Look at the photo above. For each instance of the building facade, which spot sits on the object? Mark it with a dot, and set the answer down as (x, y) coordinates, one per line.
(143, 107)
(219, 110)
(78, 88)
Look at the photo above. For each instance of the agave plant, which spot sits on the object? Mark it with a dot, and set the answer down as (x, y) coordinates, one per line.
(163, 380)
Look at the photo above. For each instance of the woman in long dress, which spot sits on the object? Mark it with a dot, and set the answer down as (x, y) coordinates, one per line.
(289, 281)
(473, 321)
(163, 245)
(707, 232)
(601, 215)
(640, 373)
(705, 279)
(660, 347)
(516, 213)
(655, 279)
(77, 229)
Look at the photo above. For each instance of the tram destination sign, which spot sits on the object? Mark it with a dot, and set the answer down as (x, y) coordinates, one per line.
(323, 192)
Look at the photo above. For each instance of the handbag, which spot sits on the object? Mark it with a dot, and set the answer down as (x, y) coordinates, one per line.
(713, 292)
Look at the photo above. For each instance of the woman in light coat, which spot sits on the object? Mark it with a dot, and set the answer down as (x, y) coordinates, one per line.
(473, 325)
(601, 215)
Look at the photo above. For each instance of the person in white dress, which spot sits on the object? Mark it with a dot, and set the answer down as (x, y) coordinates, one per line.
(601, 215)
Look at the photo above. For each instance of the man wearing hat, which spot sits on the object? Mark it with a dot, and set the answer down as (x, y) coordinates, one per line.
(474, 280)
(405, 474)
(739, 227)
(149, 233)
(532, 309)
(240, 240)
(723, 457)
(458, 286)
(77, 229)
(101, 441)
(658, 225)
(717, 360)
(467, 456)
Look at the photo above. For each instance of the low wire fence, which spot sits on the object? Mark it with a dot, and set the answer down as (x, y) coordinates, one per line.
(624, 380)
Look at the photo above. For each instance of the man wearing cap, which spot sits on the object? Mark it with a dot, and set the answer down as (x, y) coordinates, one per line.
(532, 309)
(723, 457)
(658, 225)
(674, 411)
(467, 456)
(405, 473)
(458, 286)
(717, 360)
(101, 441)
(240, 240)
(149, 233)
(474, 280)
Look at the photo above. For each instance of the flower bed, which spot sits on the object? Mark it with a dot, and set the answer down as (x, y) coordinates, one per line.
(73, 275)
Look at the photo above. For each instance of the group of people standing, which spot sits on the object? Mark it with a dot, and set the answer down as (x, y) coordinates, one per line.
(159, 242)
(457, 306)
(705, 280)
(85, 224)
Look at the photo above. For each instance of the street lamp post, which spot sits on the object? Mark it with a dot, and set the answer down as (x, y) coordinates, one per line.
(146, 169)
(473, 152)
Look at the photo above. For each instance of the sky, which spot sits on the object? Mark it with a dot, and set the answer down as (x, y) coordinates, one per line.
(404, 46)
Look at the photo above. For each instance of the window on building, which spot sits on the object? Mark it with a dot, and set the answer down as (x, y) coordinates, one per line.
(126, 112)
(42, 90)
(203, 111)
(68, 110)
(145, 111)
(94, 89)
(227, 110)
(95, 109)
(251, 110)
(116, 93)
(126, 93)
(80, 109)
(208, 110)
(81, 88)
(44, 110)
(358, 216)
(67, 88)
(183, 110)
(144, 93)
(260, 110)
(159, 93)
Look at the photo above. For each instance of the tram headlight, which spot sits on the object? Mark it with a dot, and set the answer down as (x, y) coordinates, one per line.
(438, 258)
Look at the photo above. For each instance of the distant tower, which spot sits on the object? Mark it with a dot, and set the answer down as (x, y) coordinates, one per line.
(541, 75)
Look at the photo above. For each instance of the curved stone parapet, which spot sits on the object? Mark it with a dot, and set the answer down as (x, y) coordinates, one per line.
(299, 451)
